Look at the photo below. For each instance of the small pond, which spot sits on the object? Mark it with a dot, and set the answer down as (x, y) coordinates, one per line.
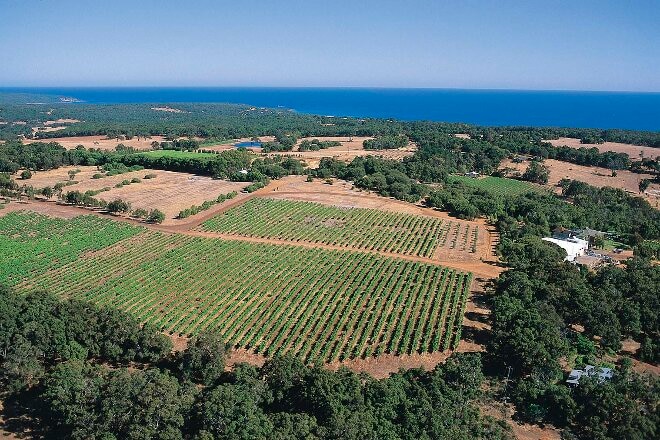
(248, 145)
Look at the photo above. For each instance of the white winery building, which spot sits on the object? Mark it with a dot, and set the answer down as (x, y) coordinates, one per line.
(573, 246)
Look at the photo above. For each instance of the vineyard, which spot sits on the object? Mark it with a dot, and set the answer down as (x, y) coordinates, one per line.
(31, 244)
(368, 229)
(320, 305)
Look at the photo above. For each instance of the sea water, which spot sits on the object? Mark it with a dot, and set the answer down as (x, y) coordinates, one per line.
(640, 111)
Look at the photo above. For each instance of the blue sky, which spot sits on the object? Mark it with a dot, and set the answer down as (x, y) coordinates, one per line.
(574, 45)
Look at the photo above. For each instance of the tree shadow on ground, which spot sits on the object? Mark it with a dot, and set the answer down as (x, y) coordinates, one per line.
(478, 317)
(478, 336)
(24, 416)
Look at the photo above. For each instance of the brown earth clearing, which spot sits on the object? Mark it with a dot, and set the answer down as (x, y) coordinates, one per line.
(349, 149)
(522, 431)
(101, 142)
(596, 176)
(631, 150)
(61, 121)
(170, 192)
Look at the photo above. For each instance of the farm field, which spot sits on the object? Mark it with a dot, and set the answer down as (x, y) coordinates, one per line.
(100, 142)
(347, 151)
(169, 191)
(631, 150)
(596, 176)
(317, 304)
(351, 227)
(497, 185)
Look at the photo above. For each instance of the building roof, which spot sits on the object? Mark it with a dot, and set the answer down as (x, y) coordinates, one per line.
(572, 246)
(601, 374)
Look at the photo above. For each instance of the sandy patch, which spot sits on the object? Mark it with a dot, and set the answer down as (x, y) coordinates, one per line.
(61, 121)
(47, 129)
(596, 176)
(633, 151)
(168, 110)
(101, 142)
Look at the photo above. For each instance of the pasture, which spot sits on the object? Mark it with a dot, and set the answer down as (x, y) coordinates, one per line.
(317, 304)
(497, 185)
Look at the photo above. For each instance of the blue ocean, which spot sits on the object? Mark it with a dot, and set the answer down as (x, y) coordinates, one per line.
(640, 111)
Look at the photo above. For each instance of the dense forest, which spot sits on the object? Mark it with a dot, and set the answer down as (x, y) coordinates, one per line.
(76, 371)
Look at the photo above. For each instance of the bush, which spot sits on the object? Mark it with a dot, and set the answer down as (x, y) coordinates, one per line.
(26, 174)
(118, 206)
(156, 216)
(98, 176)
(150, 176)
(139, 213)
(254, 187)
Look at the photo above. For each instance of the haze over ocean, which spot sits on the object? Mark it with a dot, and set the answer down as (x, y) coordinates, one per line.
(639, 111)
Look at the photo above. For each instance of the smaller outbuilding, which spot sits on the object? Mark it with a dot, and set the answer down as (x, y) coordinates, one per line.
(601, 374)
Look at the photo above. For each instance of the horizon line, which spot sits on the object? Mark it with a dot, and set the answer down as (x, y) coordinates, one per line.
(485, 89)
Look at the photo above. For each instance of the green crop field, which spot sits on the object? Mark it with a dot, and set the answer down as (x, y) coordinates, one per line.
(320, 305)
(498, 185)
(31, 244)
(368, 229)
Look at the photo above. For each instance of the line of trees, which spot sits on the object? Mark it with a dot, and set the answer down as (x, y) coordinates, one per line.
(390, 142)
(225, 165)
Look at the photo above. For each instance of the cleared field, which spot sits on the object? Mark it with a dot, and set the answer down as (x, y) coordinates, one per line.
(169, 191)
(319, 305)
(497, 185)
(596, 176)
(101, 142)
(368, 229)
(180, 154)
(634, 151)
(349, 149)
